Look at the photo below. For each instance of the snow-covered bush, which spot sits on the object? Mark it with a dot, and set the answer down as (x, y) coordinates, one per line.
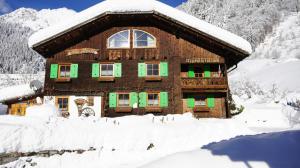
(293, 114)
(42, 111)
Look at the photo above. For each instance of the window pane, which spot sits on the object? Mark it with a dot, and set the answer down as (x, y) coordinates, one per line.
(152, 69)
(143, 39)
(119, 40)
(152, 99)
(106, 69)
(64, 71)
(123, 100)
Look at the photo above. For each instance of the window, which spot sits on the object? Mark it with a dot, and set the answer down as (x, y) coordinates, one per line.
(143, 39)
(200, 101)
(119, 40)
(107, 70)
(123, 100)
(64, 71)
(153, 99)
(152, 69)
(63, 103)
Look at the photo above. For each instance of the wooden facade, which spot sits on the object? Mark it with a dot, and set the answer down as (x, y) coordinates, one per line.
(181, 47)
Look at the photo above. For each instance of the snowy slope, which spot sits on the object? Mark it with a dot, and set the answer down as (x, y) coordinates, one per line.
(16, 27)
(275, 64)
(36, 20)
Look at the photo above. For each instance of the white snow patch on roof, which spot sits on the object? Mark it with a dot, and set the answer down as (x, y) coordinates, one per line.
(15, 92)
(144, 6)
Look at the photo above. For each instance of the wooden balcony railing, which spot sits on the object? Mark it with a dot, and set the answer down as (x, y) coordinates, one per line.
(204, 83)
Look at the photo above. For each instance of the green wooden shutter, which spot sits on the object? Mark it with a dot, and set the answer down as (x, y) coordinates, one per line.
(210, 101)
(142, 99)
(191, 102)
(163, 102)
(191, 72)
(206, 71)
(53, 70)
(141, 70)
(95, 70)
(112, 100)
(133, 96)
(117, 70)
(163, 69)
(74, 71)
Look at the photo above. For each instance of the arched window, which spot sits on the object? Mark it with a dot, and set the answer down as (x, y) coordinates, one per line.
(142, 39)
(119, 40)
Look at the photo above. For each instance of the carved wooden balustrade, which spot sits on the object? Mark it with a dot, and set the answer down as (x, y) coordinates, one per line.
(204, 83)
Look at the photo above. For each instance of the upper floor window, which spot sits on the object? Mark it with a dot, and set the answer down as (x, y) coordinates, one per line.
(64, 71)
(142, 39)
(152, 69)
(107, 70)
(119, 40)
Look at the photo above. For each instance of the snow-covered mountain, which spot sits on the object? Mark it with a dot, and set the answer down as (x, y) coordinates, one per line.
(252, 20)
(273, 70)
(15, 28)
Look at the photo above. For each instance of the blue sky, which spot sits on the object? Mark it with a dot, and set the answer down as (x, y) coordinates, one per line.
(77, 5)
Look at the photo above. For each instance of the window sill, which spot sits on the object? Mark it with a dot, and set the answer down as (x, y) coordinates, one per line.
(201, 109)
(106, 79)
(153, 78)
(63, 80)
(123, 109)
(153, 109)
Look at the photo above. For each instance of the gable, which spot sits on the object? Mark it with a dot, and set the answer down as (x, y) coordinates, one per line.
(82, 35)
(156, 8)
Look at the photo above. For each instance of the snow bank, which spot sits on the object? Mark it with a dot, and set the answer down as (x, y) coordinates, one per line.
(144, 6)
(42, 111)
(274, 150)
(15, 92)
(131, 133)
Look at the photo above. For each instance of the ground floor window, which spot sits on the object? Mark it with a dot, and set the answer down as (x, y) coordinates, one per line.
(200, 101)
(123, 100)
(153, 99)
(62, 103)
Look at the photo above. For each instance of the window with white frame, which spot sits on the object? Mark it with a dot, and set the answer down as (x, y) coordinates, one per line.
(106, 70)
(119, 40)
(153, 99)
(123, 100)
(152, 69)
(142, 39)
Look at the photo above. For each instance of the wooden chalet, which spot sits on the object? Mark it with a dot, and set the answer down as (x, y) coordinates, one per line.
(136, 57)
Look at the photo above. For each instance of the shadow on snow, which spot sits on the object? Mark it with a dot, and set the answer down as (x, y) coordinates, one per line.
(278, 150)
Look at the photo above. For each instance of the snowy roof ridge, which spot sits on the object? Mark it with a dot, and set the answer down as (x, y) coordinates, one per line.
(16, 92)
(143, 6)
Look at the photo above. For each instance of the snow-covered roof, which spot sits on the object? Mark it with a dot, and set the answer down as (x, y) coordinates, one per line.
(16, 92)
(140, 6)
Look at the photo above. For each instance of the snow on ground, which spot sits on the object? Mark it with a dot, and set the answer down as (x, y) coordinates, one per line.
(130, 133)
(122, 142)
(272, 150)
(42, 111)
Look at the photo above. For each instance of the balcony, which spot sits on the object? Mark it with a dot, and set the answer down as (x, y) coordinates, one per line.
(204, 83)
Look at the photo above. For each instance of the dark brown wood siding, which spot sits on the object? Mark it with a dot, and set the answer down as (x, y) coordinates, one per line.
(170, 48)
